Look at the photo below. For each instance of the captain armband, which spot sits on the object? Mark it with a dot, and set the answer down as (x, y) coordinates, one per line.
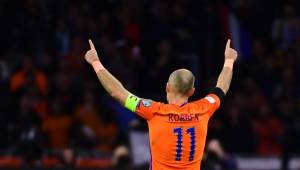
(132, 102)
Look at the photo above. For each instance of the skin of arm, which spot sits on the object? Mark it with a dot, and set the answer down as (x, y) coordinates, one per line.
(225, 77)
(113, 86)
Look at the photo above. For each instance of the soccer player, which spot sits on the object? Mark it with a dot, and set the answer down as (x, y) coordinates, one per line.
(177, 130)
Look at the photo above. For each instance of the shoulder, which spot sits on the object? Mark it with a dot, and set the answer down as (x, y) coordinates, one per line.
(148, 108)
(148, 103)
(209, 103)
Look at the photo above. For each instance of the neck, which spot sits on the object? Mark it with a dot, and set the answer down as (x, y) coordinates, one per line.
(178, 100)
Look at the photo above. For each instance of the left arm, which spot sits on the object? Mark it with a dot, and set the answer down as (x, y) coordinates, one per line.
(116, 90)
(225, 77)
(213, 100)
(113, 86)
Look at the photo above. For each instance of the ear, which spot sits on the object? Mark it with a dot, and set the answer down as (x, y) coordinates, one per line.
(191, 92)
(168, 88)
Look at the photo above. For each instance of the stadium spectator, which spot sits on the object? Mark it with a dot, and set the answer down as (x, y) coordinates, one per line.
(269, 131)
(236, 132)
(286, 29)
(57, 125)
(216, 158)
(30, 141)
(28, 75)
(94, 126)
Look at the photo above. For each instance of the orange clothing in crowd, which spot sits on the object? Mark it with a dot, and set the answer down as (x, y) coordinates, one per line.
(105, 132)
(19, 79)
(57, 127)
(269, 132)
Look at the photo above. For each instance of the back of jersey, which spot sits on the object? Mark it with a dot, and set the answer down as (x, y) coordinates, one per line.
(178, 133)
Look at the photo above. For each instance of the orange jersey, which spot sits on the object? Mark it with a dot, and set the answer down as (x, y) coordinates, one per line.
(177, 134)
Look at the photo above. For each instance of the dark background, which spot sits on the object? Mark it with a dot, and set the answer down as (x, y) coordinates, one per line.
(52, 103)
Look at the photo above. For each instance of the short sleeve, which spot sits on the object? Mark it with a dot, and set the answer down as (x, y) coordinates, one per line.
(209, 104)
(147, 108)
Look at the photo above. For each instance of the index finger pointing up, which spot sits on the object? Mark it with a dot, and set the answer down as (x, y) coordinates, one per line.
(91, 44)
(228, 44)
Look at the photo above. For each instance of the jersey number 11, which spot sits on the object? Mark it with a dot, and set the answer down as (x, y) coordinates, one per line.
(179, 145)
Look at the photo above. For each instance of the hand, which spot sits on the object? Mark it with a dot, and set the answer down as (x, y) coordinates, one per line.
(91, 55)
(230, 53)
(215, 147)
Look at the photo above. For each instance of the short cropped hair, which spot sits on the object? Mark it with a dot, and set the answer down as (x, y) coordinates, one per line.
(182, 80)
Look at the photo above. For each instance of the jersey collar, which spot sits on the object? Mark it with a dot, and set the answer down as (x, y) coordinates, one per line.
(183, 104)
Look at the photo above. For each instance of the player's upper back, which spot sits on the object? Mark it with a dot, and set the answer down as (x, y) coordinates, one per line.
(178, 133)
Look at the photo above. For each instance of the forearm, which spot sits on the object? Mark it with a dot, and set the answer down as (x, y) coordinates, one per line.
(112, 85)
(225, 77)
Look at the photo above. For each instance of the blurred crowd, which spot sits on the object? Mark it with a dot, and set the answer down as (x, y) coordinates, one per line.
(51, 98)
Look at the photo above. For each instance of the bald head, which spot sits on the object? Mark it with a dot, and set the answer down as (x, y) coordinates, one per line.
(182, 80)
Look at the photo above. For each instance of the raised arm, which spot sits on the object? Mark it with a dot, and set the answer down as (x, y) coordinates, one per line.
(108, 81)
(225, 77)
